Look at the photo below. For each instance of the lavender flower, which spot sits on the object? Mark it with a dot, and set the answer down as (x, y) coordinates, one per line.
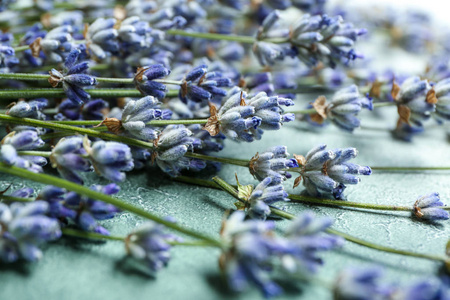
(74, 78)
(135, 117)
(249, 257)
(145, 83)
(25, 192)
(442, 89)
(272, 163)
(415, 100)
(68, 157)
(7, 57)
(89, 211)
(343, 108)
(101, 38)
(171, 146)
(56, 44)
(109, 159)
(92, 110)
(134, 34)
(31, 109)
(22, 141)
(200, 85)
(55, 197)
(234, 119)
(426, 208)
(149, 244)
(328, 171)
(306, 236)
(427, 289)
(360, 284)
(264, 194)
(23, 228)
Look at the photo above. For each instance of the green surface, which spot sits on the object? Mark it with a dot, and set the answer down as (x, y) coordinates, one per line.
(79, 269)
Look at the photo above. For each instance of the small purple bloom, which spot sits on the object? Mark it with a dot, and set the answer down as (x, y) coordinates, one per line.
(68, 157)
(22, 141)
(55, 196)
(145, 80)
(427, 208)
(265, 193)
(101, 38)
(89, 211)
(328, 171)
(23, 228)
(149, 244)
(29, 109)
(56, 44)
(74, 78)
(272, 163)
(109, 159)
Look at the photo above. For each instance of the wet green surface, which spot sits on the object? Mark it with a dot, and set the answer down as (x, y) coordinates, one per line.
(76, 269)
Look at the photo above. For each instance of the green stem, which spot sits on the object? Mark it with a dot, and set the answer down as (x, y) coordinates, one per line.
(154, 122)
(59, 93)
(97, 236)
(115, 80)
(73, 129)
(8, 198)
(24, 76)
(21, 48)
(303, 112)
(35, 153)
(383, 104)
(410, 168)
(79, 189)
(213, 36)
(226, 160)
(281, 213)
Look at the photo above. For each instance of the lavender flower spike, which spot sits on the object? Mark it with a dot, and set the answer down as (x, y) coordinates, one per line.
(343, 108)
(307, 237)
(21, 141)
(23, 228)
(427, 208)
(74, 78)
(149, 244)
(101, 37)
(144, 80)
(272, 163)
(200, 85)
(89, 211)
(234, 119)
(31, 109)
(360, 284)
(135, 116)
(68, 157)
(328, 171)
(249, 258)
(171, 146)
(265, 194)
(109, 159)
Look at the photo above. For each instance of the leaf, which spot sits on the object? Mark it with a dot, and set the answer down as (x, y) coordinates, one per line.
(244, 191)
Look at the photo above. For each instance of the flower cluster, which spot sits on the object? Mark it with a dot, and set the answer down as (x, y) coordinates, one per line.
(326, 172)
(244, 119)
(74, 78)
(255, 250)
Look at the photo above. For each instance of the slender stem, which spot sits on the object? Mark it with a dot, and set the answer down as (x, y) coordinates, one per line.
(232, 191)
(383, 104)
(226, 160)
(410, 168)
(59, 93)
(213, 36)
(313, 200)
(35, 153)
(303, 112)
(9, 198)
(73, 129)
(154, 122)
(90, 235)
(24, 76)
(115, 80)
(21, 48)
(165, 81)
(97, 236)
(79, 189)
